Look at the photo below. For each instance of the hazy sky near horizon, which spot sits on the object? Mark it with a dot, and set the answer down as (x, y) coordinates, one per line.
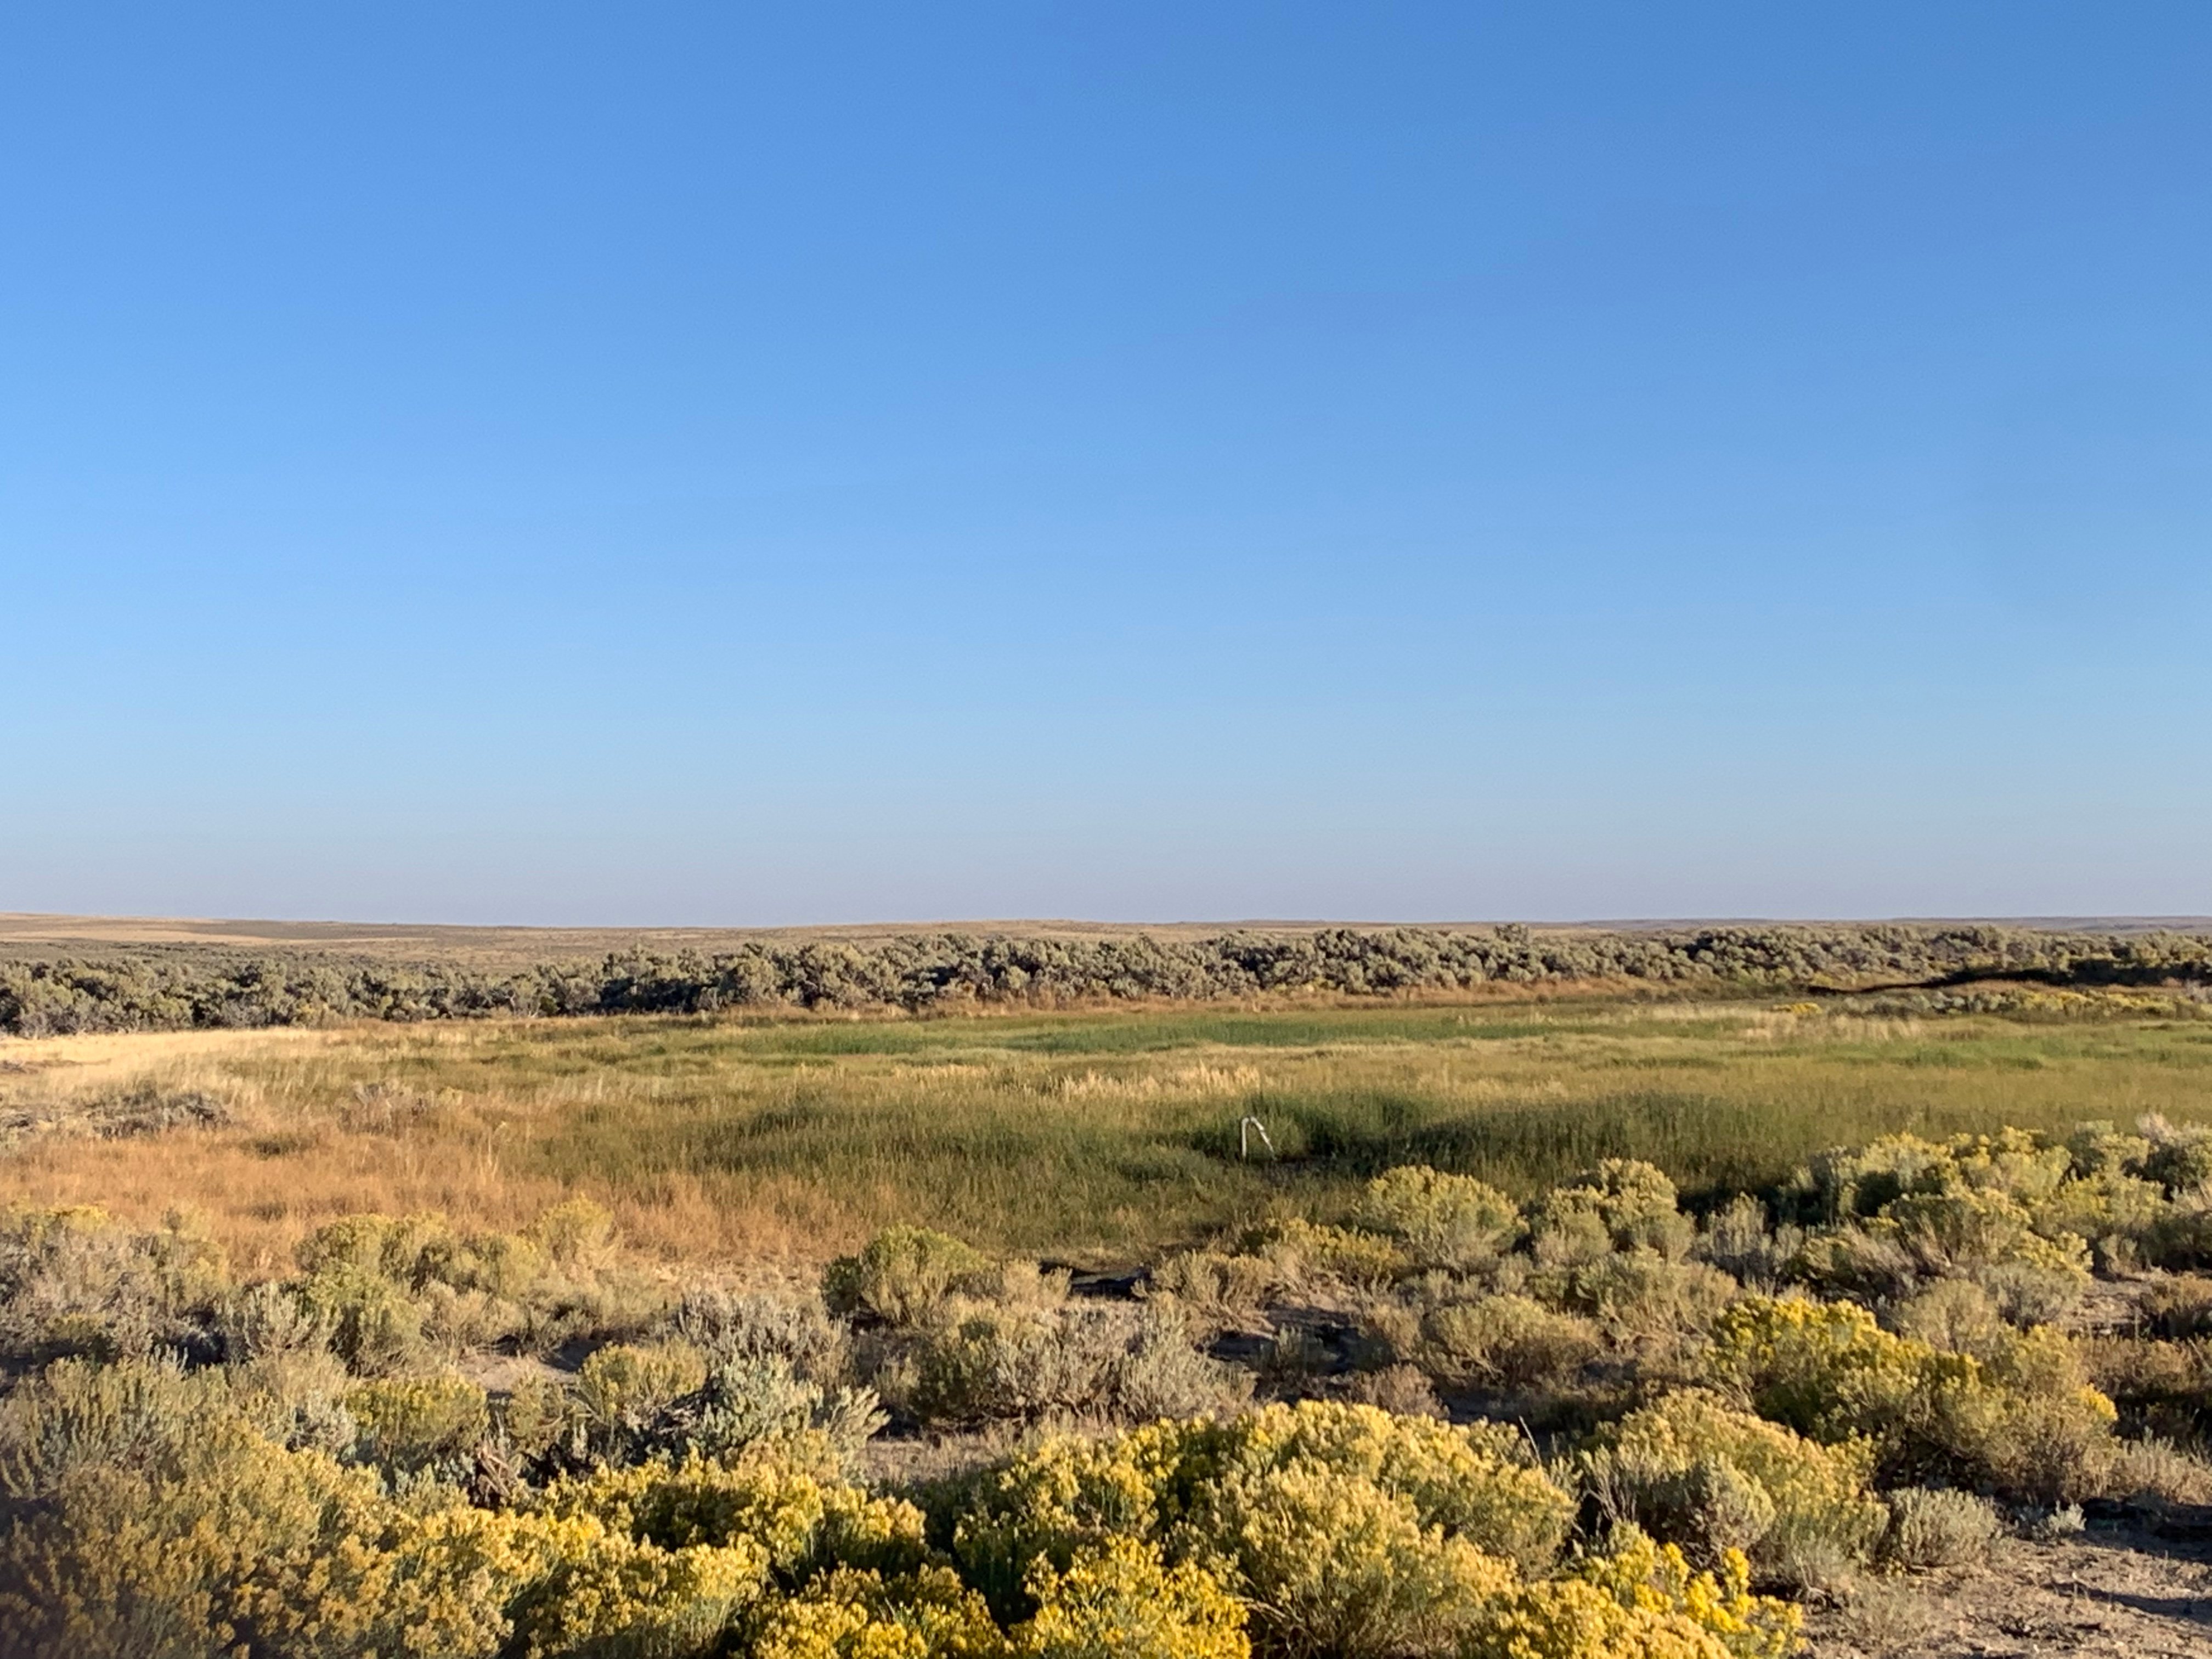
(730, 464)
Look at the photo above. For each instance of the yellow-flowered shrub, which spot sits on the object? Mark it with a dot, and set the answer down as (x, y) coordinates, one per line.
(454, 1574)
(1441, 1220)
(1639, 1600)
(577, 1235)
(1067, 1494)
(409, 1423)
(1477, 1481)
(801, 1522)
(612, 1597)
(857, 1615)
(165, 1522)
(201, 1533)
(376, 1325)
(1121, 1601)
(1330, 1563)
(1693, 1471)
(624, 1381)
(2012, 1210)
(1298, 1250)
(388, 1285)
(1343, 1512)
(2025, 1421)
(193, 1549)
(622, 1388)
(1623, 1204)
(903, 1275)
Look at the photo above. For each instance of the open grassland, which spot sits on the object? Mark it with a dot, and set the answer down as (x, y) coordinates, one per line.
(1382, 1410)
(1090, 1137)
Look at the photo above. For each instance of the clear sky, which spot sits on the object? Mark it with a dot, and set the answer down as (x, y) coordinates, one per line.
(741, 464)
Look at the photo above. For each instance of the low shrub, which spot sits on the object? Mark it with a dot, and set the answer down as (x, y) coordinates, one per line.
(1115, 1362)
(2179, 1309)
(1509, 1341)
(394, 1292)
(1440, 1220)
(1693, 1471)
(1738, 1239)
(1314, 1502)
(2025, 1421)
(1330, 1563)
(623, 1390)
(608, 1595)
(2179, 1157)
(1123, 1600)
(78, 1416)
(1301, 1254)
(1623, 1204)
(74, 1281)
(756, 1326)
(406, 1424)
(165, 1523)
(1219, 1289)
(856, 1613)
(296, 1397)
(1636, 1600)
(801, 1521)
(746, 1404)
(1637, 1294)
(2155, 1469)
(903, 1276)
(376, 1325)
(1938, 1528)
(1290, 1362)
(2163, 1388)
(1478, 1482)
(1954, 1315)
(263, 1320)
(1401, 1390)
(1887, 1616)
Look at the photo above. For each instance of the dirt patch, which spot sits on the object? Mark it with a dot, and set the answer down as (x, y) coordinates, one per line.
(2118, 1591)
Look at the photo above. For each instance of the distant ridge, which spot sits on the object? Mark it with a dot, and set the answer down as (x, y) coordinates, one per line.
(43, 934)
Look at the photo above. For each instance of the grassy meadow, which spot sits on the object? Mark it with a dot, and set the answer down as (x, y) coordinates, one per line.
(1093, 1138)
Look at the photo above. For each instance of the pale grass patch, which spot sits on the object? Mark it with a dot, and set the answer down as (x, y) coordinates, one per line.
(1877, 1029)
(1189, 1080)
(1505, 1089)
(260, 1203)
(74, 1063)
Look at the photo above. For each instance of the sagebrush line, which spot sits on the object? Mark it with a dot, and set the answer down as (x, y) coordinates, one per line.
(176, 987)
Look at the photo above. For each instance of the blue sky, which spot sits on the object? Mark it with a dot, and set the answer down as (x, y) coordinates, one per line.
(724, 464)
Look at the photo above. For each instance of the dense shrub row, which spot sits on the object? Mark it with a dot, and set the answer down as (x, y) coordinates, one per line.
(168, 987)
(428, 1441)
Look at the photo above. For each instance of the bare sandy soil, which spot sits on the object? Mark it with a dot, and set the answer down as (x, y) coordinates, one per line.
(2117, 1591)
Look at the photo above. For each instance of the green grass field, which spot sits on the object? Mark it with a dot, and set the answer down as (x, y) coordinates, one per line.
(1087, 1137)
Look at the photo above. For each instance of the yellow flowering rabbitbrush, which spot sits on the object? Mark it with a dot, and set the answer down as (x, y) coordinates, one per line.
(2025, 1419)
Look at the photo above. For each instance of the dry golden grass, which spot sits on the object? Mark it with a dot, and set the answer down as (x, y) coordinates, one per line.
(1089, 1136)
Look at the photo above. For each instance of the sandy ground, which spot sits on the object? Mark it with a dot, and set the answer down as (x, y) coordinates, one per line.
(2117, 1591)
